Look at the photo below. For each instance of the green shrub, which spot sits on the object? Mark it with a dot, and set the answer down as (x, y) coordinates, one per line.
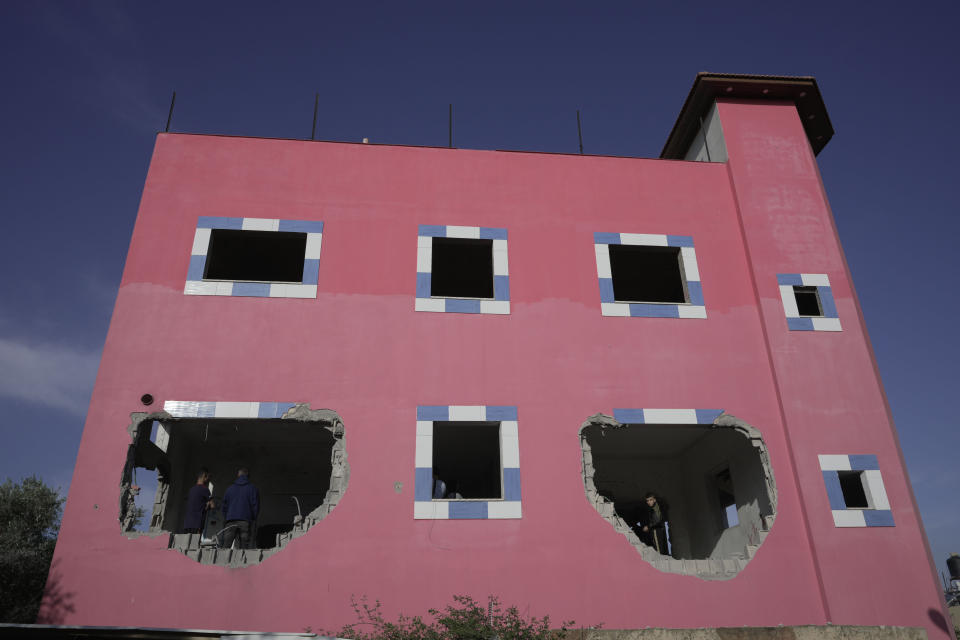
(465, 619)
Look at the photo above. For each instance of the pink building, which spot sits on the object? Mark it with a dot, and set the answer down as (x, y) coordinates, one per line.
(461, 372)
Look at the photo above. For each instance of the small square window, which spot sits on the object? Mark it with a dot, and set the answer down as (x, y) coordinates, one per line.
(808, 301)
(255, 256)
(462, 268)
(854, 495)
(647, 274)
(466, 459)
(467, 463)
(258, 257)
(855, 491)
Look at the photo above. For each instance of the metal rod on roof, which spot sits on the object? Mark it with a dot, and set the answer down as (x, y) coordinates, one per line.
(450, 127)
(579, 132)
(170, 115)
(316, 102)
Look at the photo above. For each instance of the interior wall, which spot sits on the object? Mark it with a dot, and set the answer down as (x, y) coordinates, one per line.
(182, 477)
(714, 140)
(718, 449)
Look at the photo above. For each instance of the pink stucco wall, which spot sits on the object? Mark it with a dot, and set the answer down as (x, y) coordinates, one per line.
(361, 349)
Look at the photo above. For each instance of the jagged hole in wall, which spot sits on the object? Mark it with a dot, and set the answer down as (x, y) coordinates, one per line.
(713, 480)
(298, 463)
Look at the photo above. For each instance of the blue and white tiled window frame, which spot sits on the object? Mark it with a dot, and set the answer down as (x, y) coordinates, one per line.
(694, 308)
(830, 321)
(500, 304)
(307, 288)
(666, 416)
(201, 409)
(252, 410)
(878, 513)
(425, 507)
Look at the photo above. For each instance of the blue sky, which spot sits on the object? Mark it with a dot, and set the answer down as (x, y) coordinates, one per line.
(85, 87)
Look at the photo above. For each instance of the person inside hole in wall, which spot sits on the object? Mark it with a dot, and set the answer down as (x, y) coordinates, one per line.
(241, 506)
(653, 524)
(198, 502)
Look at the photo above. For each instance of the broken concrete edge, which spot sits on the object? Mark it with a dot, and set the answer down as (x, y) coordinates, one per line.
(301, 412)
(753, 434)
(128, 495)
(799, 632)
(707, 568)
(339, 467)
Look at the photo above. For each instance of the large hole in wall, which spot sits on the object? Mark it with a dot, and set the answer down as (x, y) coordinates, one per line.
(713, 485)
(297, 462)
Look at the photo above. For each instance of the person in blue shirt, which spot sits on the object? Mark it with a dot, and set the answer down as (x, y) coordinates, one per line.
(198, 501)
(241, 506)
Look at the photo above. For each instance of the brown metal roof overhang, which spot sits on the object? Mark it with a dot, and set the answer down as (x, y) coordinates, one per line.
(802, 90)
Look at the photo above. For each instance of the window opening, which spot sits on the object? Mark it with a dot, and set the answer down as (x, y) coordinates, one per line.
(462, 267)
(808, 301)
(730, 513)
(255, 256)
(466, 460)
(728, 503)
(854, 495)
(643, 273)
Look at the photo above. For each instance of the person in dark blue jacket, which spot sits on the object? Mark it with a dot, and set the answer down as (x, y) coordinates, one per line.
(241, 506)
(198, 501)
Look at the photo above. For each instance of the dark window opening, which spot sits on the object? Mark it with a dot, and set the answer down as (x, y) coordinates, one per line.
(462, 268)
(808, 301)
(851, 483)
(646, 274)
(466, 457)
(256, 256)
(728, 503)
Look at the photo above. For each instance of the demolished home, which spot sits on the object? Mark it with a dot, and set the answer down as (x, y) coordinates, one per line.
(629, 391)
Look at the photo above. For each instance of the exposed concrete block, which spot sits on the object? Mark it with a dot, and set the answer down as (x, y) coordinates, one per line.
(705, 567)
(828, 632)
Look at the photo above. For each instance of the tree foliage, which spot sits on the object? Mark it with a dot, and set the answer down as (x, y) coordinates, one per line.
(465, 619)
(29, 523)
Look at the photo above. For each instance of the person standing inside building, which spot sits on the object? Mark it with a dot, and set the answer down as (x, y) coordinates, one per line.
(439, 487)
(241, 506)
(198, 501)
(655, 523)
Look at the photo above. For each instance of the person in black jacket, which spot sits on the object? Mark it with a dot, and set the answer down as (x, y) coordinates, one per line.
(655, 520)
(198, 501)
(241, 506)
